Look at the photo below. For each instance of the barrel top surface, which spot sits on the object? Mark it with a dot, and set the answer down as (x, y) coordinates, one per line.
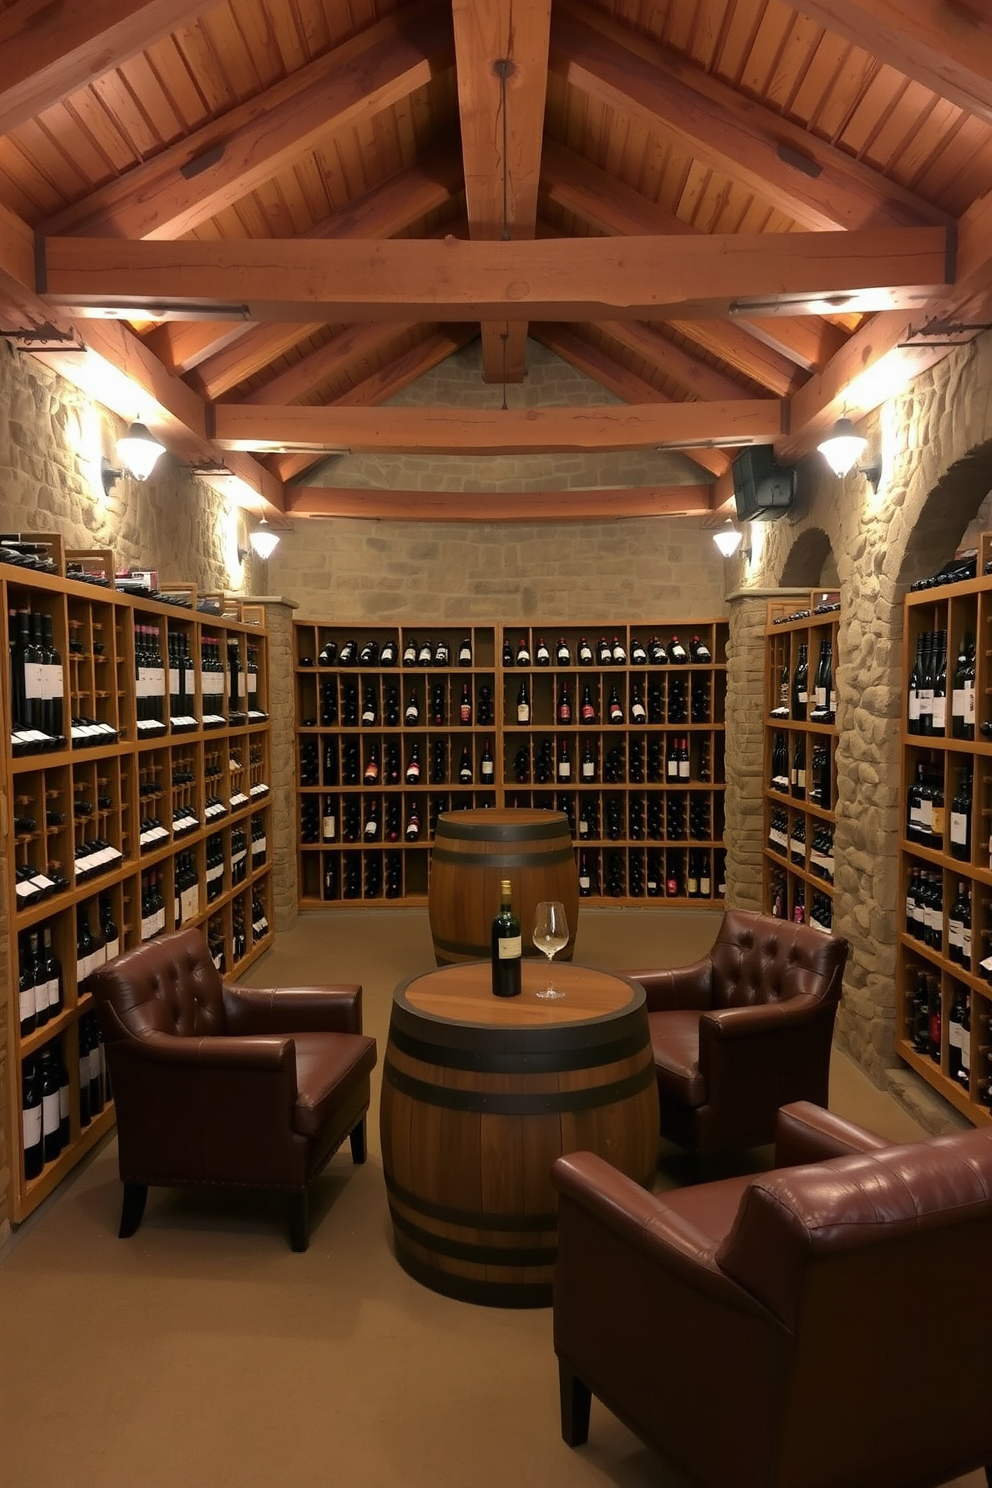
(463, 994)
(498, 821)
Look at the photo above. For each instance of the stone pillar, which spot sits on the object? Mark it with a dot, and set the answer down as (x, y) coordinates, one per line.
(282, 742)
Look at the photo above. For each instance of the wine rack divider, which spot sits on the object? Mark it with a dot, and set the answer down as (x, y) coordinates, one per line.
(337, 873)
(966, 1083)
(797, 875)
(67, 795)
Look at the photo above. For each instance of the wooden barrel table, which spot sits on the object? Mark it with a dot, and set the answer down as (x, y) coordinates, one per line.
(473, 851)
(480, 1094)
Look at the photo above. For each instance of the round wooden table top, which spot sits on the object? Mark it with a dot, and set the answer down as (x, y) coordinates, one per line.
(463, 994)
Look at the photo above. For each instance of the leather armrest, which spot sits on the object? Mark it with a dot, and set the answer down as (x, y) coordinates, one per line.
(681, 987)
(805, 1133)
(260, 1010)
(762, 1017)
(642, 1222)
(214, 1052)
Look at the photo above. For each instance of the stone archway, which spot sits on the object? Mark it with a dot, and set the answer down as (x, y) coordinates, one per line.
(809, 558)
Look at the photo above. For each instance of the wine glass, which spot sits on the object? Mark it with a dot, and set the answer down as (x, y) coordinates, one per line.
(550, 936)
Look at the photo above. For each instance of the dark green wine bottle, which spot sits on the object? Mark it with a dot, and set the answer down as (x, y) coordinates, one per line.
(507, 946)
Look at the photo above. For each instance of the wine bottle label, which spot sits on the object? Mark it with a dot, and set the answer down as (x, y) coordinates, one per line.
(684, 769)
(27, 1002)
(672, 770)
(914, 707)
(820, 697)
(926, 701)
(564, 770)
(30, 1126)
(955, 933)
(969, 702)
(803, 697)
(800, 779)
(959, 828)
(584, 882)
(510, 948)
(523, 713)
(937, 820)
(966, 942)
(939, 714)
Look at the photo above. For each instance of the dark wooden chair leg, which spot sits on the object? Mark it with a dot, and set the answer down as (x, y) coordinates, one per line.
(132, 1208)
(299, 1228)
(359, 1149)
(576, 1398)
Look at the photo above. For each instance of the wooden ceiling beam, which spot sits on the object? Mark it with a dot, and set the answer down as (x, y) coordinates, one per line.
(811, 181)
(386, 382)
(190, 182)
(393, 207)
(602, 202)
(648, 278)
(501, 506)
(354, 345)
(52, 50)
(947, 47)
(501, 65)
(489, 431)
(594, 363)
(693, 375)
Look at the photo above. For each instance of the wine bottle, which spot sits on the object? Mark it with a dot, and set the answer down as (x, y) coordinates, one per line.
(369, 708)
(465, 774)
(584, 652)
(926, 685)
(698, 650)
(412, 775)
(915, 684)
(465, 652)
(564, 761)
(424, 653)
(563, 655)
(389, 654)
(587, 712)
(465, 705)
(615, 708)
(564, 704)
(507, 946)
(588, 766)
(523, 653)
(677, 652)
(618, 652)
(638, 654)
(800, 684)
(372, 822)
(938, 714)
(51, 971)
(585, 881)
(507, 652)
(371, 772)
(442, 654)
(31, 1120)
(523, 703)
(410, 653)
(329, 820)
(487, 767)
(51, 1125)
(27, 997)
(963, 691)
(959, 1037)
(542, 656)
(638, 712)
(798, 777)
(683, 758)
(411, 715)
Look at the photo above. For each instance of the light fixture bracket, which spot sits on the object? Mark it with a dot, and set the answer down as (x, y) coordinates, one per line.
(109, 475)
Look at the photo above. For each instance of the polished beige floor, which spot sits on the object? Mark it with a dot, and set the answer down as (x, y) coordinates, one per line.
(202, 1353)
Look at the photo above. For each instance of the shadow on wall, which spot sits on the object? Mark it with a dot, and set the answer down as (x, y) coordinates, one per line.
(810, 562)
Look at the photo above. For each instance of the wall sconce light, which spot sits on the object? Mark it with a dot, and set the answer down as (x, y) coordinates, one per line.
(138, 452)
(728, 538)
(263, 540)
(843, 449)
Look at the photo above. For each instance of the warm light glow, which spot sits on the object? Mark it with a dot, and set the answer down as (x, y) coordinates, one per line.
(139, 451)
(844, 447)
(728, 539)
(263, 540)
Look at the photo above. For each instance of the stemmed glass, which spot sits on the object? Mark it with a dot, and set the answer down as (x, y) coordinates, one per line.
(550, 936)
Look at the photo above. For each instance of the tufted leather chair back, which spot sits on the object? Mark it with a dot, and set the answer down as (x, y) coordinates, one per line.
(168, 986)
(760, 959)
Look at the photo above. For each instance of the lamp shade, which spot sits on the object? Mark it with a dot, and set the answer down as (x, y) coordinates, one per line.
(844, 447)
(263, 540)
(138, 451)
(728, 539)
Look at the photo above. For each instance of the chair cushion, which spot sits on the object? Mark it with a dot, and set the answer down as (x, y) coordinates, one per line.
(710, 1208)
(675, 1045)
(328, 1066)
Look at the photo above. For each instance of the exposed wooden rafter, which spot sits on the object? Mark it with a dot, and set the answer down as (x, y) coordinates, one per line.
(501, 55)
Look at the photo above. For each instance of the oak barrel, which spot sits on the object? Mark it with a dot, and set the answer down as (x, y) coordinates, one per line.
(473, 851)
(476, 1106)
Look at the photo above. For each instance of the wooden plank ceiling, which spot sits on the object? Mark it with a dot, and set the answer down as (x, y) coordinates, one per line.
(263, 219)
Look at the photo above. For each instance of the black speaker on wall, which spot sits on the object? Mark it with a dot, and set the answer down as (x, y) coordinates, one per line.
(763, 491)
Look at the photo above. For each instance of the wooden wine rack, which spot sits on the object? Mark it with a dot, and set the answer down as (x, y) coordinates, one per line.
(798, 879)
(674, 817)
(111, 788)
(957, 609)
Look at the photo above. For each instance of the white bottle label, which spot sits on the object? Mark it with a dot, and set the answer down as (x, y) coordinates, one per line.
(969, 702)
(939, 713)
(31, 1126)
(511, 949)
(959, 828)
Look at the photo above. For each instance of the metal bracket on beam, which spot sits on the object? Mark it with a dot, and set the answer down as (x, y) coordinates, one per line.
(44, 338)
(943, 333)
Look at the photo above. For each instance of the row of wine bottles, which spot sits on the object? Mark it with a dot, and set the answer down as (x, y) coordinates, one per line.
(371, 654)
(927, 923)
(45, 1095)
(821, 906)
(792, 777)
(927, 821)
(795, 694)
(789, 839)
(926, 1030)
(664, 704)
(382, 704)
(927, 692)
(607, 653)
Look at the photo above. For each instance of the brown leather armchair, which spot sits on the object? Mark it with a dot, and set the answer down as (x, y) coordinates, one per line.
(743, 1031)
(818, 1326)
(218, 1084)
